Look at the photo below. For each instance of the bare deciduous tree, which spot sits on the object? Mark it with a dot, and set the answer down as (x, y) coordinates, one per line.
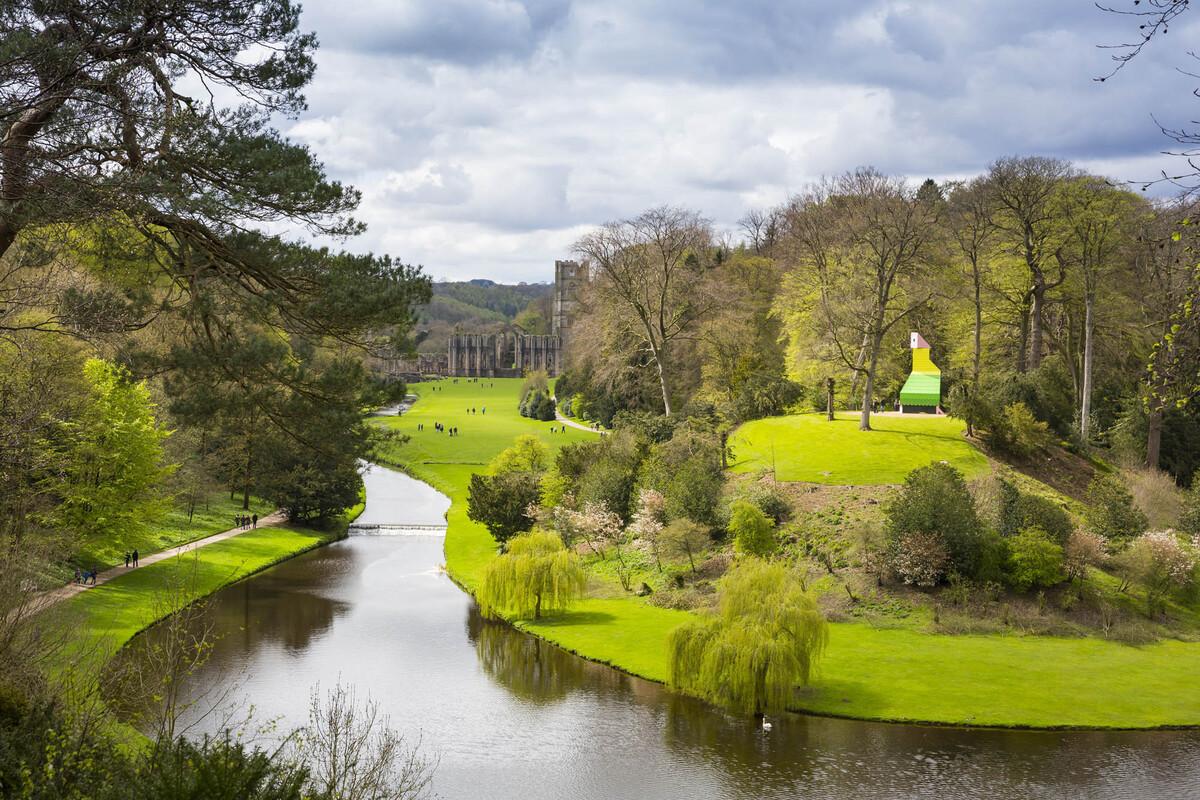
(353, 753)
(649, 274)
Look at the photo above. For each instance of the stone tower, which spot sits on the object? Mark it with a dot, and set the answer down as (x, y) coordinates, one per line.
(567, 277)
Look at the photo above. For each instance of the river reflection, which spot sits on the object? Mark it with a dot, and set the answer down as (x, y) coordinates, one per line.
(513, 717)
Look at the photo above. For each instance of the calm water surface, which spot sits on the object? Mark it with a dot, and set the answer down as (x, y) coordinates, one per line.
(512, 717)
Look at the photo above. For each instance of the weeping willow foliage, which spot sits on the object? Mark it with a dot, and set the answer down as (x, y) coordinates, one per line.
(766, 637)
(536, 574)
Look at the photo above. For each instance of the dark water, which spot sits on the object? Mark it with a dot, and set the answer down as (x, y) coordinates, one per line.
(512, 717)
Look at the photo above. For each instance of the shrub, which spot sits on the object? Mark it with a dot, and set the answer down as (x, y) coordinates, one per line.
(1034, 559)
(1111, 512)
(684, 538)
(1156, 495)
(1083, 549)
(1035, 511)
(996, 503)
(1161, 563)
(694, 491)
(527, 454)
(935, 501)
(608, 481)
(993, 558)
(767, 637)
(1018, 432)
(919, 558)
(536, 574)
(770, 500)
(1189, 520)
(501, 502)
(753, 531)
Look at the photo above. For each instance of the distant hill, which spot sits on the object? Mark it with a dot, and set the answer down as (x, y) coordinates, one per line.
(480, 306)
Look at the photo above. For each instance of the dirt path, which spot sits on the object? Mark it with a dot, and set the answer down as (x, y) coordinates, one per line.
(71, 589)
(575, 424)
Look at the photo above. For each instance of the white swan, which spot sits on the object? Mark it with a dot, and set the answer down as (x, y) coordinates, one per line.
(766, 726)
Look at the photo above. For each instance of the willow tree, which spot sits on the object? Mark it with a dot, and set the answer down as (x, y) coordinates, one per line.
(536, 574)
(765, 639)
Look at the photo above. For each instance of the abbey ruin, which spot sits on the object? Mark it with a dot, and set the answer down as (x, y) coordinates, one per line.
(508, 354)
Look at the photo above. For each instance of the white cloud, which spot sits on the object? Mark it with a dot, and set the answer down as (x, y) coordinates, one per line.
(487, 135)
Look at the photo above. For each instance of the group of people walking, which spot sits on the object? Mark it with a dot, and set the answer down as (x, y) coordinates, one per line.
(471, 410)
(245, 521)
(87, 577)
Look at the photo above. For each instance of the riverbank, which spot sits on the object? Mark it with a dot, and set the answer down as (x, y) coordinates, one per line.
(868, 673)
(105, 618)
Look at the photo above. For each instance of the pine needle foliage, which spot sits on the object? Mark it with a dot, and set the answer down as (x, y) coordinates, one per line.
(765, 639)
(537, 574)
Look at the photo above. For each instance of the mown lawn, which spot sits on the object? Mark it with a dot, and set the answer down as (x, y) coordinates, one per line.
(809, 448)
(868, 672)
(212, 514)
(108, 616)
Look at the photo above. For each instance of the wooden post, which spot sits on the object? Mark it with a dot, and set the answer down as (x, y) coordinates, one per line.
(829, 399)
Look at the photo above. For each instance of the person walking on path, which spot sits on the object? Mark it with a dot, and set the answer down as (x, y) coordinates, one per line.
(135, 563)
(254, 521)
(127, 557)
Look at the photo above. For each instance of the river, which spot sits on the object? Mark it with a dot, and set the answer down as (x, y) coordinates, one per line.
(510, 716)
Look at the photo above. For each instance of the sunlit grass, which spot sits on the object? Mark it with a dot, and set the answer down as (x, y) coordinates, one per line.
(809, 448)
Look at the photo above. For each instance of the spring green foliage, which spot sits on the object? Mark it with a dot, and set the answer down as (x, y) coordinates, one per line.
(501, 502)
(536, 574)
(109, 459)
(683, 539)
(527, 454)
(1015, 430)
(935, 501)
(1111, 512)
(767, 636)
(1000, 680)
(753, 531)
(1034, 559)
(1035, 511)
(536, 402)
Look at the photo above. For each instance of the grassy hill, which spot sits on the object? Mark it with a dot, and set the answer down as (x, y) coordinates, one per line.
(809, 448)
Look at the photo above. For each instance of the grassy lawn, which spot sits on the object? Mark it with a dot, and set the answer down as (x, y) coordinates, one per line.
(868, 672)
(108, 616)
(212, 515)
(809, 448)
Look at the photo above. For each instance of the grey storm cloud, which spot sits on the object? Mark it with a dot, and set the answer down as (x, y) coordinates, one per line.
(487, 135)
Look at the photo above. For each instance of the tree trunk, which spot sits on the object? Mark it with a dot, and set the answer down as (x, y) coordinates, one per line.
(537, 607)
(1085, 404)
(8, 235)
(977, 356)
(1023, 348)
(1154, 436)
(829, 399)
(1035, 326)
(864, 420)
(662, 379)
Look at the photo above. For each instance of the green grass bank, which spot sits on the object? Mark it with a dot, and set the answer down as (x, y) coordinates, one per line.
(869, 672)
(105, 618)
(809, 448)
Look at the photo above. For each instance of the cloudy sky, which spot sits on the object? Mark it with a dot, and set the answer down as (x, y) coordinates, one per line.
(487, 135)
